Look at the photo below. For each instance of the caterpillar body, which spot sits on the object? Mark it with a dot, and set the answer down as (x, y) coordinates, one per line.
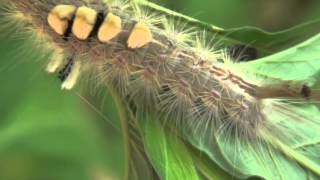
(159, 64)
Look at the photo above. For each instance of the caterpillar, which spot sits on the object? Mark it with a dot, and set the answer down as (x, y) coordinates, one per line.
(160, 64)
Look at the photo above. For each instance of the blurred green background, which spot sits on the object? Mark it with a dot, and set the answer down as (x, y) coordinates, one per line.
(49, 134)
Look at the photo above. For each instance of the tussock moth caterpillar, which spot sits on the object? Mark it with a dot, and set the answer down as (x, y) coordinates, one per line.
(159, 65)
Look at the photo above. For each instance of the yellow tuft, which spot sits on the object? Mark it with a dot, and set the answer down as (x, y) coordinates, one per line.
(145, 15)
(58, 19)
(72, 79)
(140, 36)
(84, 22)
(178, 31)
(110, 28)
(206, 48)
(56, 61)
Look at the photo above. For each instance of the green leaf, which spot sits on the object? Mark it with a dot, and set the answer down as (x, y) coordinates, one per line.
(206, 142)
(298, 159)
(266, 43)
(290, 154)
(207, 167)
(168, 154)
(300, 62)
(303, 136)
(137, 163)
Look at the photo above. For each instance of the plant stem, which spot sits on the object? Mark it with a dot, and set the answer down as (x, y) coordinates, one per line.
(125, 129)
(174, 14)
(218, 31)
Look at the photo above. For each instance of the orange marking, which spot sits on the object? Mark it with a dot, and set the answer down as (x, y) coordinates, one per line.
(140, 36)
(110, 28)
(84, 22)
(59, 17)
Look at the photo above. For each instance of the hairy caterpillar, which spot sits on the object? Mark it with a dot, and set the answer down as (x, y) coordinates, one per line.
(159, 64)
